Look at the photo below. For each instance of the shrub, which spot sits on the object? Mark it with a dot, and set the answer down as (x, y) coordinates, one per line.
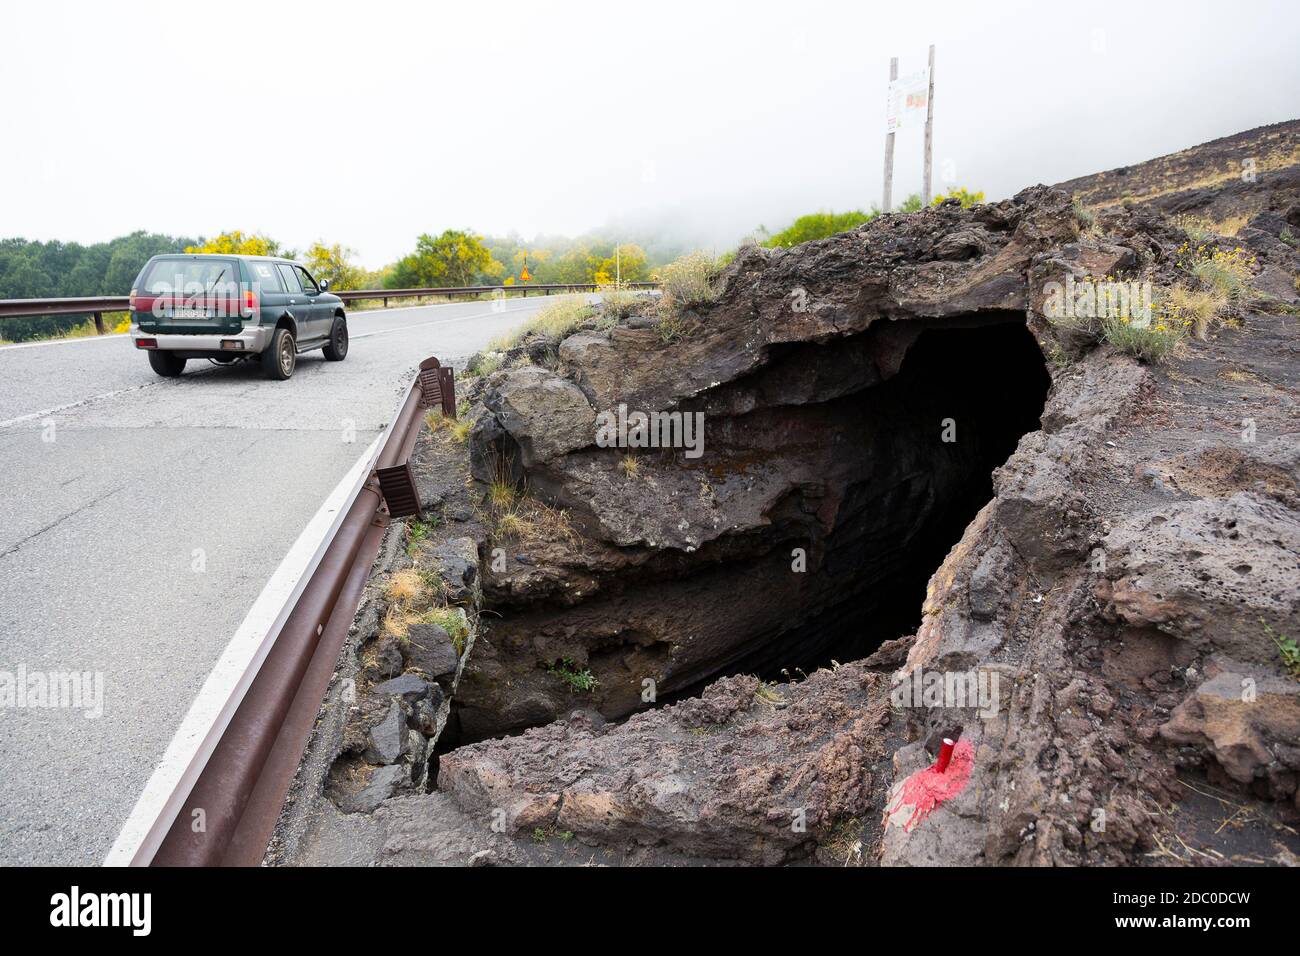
(618, 303)
(818, 225)
(962, 194)
(1197, 310)
(687, 282)
(578, 680)
(1084, 216)
(670, 327)
(485, 363)
(1198, 230)
(912, 203)
(1228, 271)
(1150, 343)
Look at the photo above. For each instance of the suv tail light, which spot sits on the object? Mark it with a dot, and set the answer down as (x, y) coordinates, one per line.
(133, 303)
(251, 305)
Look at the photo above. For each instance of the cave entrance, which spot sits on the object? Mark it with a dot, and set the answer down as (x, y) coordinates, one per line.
(888, 441)
(962, 398)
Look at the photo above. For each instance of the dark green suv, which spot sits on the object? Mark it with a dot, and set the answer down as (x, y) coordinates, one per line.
(229, 309)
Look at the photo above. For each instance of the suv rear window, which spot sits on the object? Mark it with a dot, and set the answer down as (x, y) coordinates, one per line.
(188, 276)
(264, 275)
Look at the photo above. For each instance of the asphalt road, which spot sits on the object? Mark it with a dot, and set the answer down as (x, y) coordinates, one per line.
(140, 518)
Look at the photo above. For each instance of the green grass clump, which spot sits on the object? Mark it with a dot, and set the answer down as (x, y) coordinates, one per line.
(417, 530)
(451, 620)
(578, 680)
(1150, 343)
(1287, 650)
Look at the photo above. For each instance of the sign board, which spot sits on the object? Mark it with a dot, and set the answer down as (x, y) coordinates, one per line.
(908, 101)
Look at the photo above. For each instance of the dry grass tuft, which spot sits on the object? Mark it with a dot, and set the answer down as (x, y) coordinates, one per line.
(557, 319)
(407, 587)
(397, 623)
(1195, 309)
(687, 283)
(527, 520)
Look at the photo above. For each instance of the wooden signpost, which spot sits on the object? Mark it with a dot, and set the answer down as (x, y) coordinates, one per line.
(906, 97)
(889, 141)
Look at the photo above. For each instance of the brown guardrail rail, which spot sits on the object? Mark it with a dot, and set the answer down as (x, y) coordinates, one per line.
(96, 306)
(236, 769)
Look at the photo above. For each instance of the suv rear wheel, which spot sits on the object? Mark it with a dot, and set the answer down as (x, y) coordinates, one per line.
(281, 356)
(166, 364)
(336, 349)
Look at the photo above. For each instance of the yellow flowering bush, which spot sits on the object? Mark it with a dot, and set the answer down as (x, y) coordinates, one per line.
(1227, 270)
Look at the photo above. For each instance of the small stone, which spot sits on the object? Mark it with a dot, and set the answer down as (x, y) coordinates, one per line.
(429, 648)
(458, 562)
(388, 656)
(387, 737)
(383, 783)
(409, 687)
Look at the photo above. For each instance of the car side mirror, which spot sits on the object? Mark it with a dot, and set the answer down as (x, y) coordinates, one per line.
(324, 284)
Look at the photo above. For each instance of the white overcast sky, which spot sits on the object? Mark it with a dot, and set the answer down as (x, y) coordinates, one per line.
(368, 123)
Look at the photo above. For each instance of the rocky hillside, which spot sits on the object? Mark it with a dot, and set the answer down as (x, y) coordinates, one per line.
(927, 506)
(1223, 182)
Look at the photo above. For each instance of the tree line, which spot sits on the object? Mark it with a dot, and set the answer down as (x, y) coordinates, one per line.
(455, 257)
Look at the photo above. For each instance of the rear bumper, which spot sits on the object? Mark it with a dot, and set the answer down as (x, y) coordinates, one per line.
(254, 338)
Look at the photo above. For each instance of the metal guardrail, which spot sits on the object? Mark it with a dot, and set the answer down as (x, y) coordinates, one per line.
(243, 764)
(352, 295)
(96, 306)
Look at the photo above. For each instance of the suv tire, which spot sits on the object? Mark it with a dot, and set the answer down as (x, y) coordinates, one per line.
(336, 349)
(166, 364)
(281, 356)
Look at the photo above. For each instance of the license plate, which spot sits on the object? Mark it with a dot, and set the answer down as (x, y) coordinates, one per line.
(190, 314)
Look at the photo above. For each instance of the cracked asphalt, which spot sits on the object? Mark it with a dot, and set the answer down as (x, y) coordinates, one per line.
(139, 520)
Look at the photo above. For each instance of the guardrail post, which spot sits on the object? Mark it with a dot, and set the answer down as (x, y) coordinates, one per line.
(99, 323)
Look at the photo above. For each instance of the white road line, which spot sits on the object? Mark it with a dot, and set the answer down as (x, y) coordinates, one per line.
(445, 305)
(76, 341)
(63, 408)
(135, 388)
(420, 325)
(210, 713)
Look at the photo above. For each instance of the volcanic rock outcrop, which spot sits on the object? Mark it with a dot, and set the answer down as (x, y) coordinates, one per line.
(1124, 553)
(907, 470)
